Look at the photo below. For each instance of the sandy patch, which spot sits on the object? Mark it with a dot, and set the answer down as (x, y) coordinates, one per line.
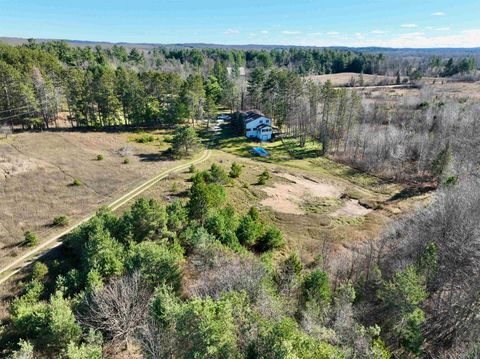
(287, 197)
(11, 166)
(352, 208)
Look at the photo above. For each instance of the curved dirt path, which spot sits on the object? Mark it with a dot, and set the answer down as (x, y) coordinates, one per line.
(26, 259)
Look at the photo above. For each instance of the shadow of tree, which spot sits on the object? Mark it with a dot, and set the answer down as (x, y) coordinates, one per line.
(154, 157)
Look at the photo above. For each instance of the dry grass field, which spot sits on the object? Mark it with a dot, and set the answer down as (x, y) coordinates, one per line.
(345, 79)
(441, 87)
(37, 171)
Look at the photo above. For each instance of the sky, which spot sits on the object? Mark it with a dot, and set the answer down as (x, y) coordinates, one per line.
(393, 23)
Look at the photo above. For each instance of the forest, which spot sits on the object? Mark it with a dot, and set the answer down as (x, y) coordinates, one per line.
(104, 87)
(199, 279)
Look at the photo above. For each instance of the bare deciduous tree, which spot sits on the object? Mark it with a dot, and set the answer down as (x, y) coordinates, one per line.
(119, 309)
(227, 273)
(451, 224)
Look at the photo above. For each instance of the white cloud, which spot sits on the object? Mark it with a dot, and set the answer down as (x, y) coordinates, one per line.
(409, 26)
(418, 39)
(287, 32)
(412, 34)
(333, 33)
(316, 33)
(231, 31)
(438, 13)
(446, 28)
(264, 32)
(378, 32)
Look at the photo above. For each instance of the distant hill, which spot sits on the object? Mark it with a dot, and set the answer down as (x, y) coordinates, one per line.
(454, 52)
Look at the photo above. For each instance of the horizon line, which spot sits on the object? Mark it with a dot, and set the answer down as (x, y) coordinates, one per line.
(2, 38)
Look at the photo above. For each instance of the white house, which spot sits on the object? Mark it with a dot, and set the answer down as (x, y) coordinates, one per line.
(257, 126)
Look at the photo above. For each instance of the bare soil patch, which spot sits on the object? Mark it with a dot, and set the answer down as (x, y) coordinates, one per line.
(299, 195)
(352, 208)
(287, 197)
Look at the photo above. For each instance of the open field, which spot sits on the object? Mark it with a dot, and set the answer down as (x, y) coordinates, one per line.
(37, 171)
(442, 87)
(345, 79)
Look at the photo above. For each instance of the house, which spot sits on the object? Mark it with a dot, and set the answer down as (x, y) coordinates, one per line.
(256, 125)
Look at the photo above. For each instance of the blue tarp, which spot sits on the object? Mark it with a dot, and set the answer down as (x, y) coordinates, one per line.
(260, 151)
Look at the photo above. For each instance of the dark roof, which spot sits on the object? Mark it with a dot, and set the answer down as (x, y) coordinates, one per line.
(252, 117)
(262, 126)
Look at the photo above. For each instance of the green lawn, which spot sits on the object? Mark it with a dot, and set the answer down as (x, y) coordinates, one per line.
(306, 158)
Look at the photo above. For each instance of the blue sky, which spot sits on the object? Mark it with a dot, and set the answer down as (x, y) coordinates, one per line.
(396, 23)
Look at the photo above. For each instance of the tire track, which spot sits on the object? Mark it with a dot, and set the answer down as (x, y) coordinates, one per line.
(31, 256)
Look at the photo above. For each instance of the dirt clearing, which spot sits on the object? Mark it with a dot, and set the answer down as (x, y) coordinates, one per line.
(298, 195)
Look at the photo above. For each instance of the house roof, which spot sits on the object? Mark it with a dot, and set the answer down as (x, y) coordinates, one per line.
(252, 118)
(259, 127)
(252, 115)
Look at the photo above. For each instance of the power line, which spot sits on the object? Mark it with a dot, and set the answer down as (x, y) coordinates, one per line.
(17, 108)
(17, 115)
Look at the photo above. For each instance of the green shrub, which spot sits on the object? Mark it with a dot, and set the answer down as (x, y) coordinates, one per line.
(157, 263)
(145, 138)
(39, 271)
(146, 219)
(204, 197)
(76, 182)
(61, 325)
(264, 177)
(218, 175)
(126, 161)
(30, 239)
(293, 264)
(409, 330)
(316, 287)
(60, 221)
(192, 168)
(25, 350)
(250, 228)
(91, 349)
(235, 170)
(185, 141)
(271, 239)
(405, 290)
(99, 157)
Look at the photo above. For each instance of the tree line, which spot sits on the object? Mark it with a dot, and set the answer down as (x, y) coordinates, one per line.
(102, 87)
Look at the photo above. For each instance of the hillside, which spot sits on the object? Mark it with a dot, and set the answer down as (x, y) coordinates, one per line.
(422, 52)
(353, 235)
